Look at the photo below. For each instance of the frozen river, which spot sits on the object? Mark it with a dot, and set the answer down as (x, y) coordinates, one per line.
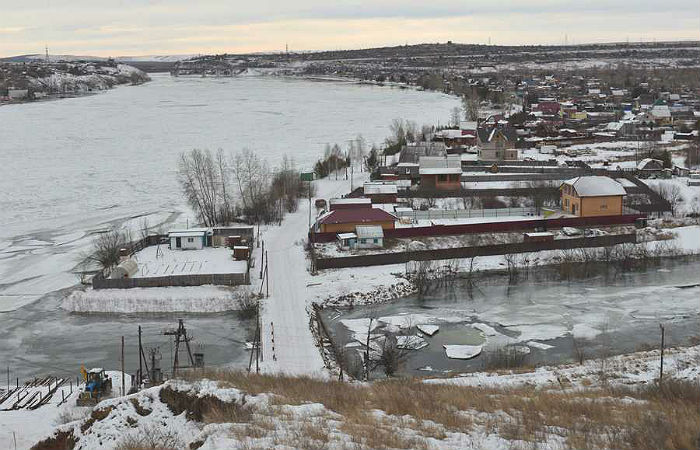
(71, 167)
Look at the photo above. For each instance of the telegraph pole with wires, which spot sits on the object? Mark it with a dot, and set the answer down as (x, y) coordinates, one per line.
(180, 336)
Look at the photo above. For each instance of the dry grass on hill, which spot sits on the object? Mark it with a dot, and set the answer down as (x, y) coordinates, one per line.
(406, 413)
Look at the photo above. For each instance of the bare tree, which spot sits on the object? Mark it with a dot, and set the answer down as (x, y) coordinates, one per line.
(144, 228)
(671, 193)
(106, 248)
(470, 106)
(201, 184)
(455, 117)
(251, 175)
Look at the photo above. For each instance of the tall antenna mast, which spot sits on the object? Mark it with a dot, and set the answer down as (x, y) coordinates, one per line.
(47, 53)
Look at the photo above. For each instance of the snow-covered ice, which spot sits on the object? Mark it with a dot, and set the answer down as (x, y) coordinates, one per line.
(462, 351)
(428, 329)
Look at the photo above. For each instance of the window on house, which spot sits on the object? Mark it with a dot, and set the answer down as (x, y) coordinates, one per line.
(442, 178)
(603, 206)
(376, 241)
(190, 239)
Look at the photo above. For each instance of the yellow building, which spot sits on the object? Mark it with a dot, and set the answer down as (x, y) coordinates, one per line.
(592, 196)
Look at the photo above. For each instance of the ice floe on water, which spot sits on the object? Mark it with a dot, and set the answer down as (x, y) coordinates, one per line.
(486, 329)
(539, 345)
(462, 351)
(428, 329)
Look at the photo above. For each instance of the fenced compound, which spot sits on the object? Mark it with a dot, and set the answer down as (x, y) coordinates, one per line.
(469, 252)
(496, 227)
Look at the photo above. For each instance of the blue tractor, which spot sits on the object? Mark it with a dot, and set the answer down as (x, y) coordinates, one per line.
(97, 386)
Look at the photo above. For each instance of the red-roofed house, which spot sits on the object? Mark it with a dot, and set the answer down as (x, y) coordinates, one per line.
(345, 220)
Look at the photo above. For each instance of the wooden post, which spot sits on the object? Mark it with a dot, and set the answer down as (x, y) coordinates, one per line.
(140, 361)
(661, 366)
(267, 277)
(123, 385)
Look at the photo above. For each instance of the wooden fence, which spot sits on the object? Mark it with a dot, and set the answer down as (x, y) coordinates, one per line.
(469, 252)
(225, 279)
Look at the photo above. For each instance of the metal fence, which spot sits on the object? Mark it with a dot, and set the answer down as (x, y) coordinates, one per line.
(435, 214)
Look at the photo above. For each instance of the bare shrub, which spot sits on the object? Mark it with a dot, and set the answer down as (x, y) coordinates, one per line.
(151, 437)
(248, 304)
(391, 357)
(504, 358)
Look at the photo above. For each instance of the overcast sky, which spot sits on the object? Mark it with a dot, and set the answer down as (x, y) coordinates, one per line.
(143, 27)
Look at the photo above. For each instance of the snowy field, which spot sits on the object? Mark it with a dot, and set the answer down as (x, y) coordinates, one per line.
(82, 168)
(160, 261)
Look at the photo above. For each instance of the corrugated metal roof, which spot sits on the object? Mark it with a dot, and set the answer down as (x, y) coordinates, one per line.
(357, 215)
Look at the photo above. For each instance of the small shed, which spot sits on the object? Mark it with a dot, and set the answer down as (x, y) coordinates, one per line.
(241, 252)
(369, 236)
(347, 241)
(193, 239)
(543, 236)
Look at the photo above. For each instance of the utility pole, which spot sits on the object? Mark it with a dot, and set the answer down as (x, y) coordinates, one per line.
(180, 336)
(123, 385)
(267, 277)
(140, 360)
(661, 367)
(310, 204)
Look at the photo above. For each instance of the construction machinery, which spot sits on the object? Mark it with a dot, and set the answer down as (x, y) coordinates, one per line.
(97, 386)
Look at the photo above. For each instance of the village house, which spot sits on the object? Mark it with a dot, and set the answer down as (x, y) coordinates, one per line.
(592, 196)
(347, 219)
(497, 144)
(441, 172)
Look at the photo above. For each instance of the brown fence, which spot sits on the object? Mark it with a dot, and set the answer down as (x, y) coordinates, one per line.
(468, 252)
(226, 279)
(496, 227)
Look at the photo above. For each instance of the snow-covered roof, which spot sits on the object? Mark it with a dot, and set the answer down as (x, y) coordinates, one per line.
(595, 186)
(188, 233)
(369, 231)
(440, 165)
(379, 188)
(344, 236)
(647, 161)
(661, 111)
(350, 201)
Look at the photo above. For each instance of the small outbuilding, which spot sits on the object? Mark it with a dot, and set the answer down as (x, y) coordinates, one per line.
(192, 239)
(347, 241)
(369, 236)
(125, 269)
